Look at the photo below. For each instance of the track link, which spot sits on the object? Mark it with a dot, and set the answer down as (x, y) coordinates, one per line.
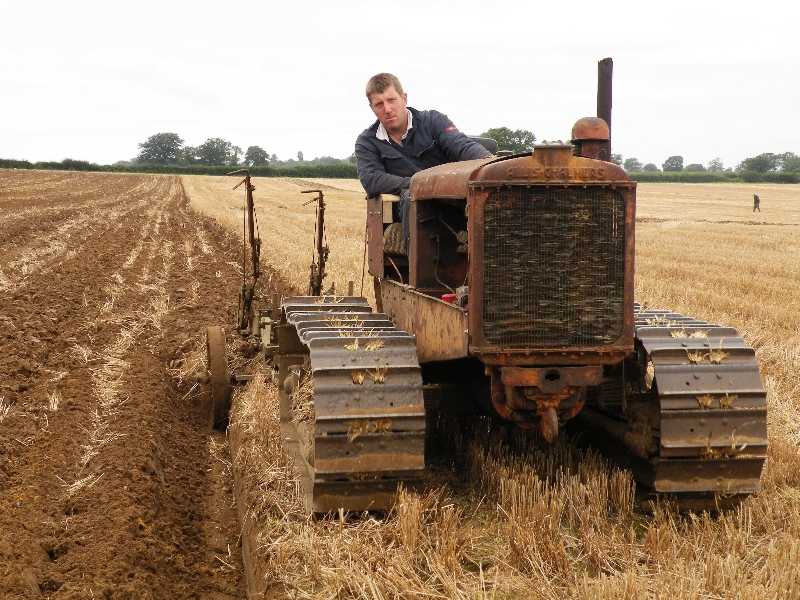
(695, 415)
(369, 419)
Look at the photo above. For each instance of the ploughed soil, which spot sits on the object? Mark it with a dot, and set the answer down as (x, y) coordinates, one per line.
(112, 482)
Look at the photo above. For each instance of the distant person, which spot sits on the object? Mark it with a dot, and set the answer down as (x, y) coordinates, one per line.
(403, 141)
(756, 203)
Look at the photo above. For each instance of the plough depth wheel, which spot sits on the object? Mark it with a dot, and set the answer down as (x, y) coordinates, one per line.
(220, 377)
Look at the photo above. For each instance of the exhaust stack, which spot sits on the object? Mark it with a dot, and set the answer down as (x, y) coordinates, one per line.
(605, 72)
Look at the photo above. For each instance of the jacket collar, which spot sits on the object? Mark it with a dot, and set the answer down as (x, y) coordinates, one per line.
(382, 134)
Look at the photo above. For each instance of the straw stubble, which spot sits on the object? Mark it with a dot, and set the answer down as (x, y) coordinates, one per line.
(506, 516)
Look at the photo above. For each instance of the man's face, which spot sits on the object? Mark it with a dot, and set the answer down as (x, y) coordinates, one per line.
(390, 108)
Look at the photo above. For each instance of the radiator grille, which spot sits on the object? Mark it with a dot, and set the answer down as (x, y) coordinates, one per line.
(553, 267)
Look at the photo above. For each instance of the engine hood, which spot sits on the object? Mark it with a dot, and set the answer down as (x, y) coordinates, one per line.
(548, 163)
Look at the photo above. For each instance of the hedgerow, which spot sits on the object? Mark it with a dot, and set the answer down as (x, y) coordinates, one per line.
(335, 171)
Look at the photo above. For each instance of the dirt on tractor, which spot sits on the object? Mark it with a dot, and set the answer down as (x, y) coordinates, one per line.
(112, 482)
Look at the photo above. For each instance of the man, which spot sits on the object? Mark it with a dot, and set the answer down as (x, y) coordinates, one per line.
(403, 141)
(756, 203)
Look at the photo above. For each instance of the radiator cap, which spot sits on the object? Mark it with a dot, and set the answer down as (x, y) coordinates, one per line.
(590, 128)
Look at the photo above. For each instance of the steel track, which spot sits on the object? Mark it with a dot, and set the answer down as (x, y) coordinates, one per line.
(369, 419)
(694, 418)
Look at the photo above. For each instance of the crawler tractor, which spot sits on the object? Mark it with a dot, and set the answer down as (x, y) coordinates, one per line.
(515, 298)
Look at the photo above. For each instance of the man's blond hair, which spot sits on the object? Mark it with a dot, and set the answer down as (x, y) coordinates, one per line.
(381, 82)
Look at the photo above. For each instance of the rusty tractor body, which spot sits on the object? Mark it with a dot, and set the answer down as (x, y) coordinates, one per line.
(549, 274)
(515, 298)
(540, 310)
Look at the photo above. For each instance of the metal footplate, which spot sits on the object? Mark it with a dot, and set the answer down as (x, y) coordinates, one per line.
(713, 406)
(369, 418)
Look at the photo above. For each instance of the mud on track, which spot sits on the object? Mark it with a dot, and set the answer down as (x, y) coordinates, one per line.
(111, 483)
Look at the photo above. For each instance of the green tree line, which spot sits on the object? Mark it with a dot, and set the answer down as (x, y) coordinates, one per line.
(779, 168)
(341, 170)
(169, 149)
(166, 153)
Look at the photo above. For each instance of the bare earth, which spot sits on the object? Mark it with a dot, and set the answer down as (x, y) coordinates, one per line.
(111, 485)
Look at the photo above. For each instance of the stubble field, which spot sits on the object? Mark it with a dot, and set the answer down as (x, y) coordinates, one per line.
(502, 519)
(111, 485)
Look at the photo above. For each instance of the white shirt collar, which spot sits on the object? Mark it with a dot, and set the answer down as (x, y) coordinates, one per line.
(382, 134)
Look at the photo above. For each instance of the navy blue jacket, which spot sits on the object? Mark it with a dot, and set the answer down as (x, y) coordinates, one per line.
(385, 167)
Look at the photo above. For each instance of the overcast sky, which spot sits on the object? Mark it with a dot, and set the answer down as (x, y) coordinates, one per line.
(91, 80)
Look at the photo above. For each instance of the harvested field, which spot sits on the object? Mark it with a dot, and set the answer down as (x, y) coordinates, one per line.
(112, 485)
(287, 227)
(505, 516)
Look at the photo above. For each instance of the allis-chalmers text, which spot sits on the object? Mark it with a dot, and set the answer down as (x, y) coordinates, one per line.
(560, 173)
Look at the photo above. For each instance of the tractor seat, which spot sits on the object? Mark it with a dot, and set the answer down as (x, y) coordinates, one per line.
(393, 242)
